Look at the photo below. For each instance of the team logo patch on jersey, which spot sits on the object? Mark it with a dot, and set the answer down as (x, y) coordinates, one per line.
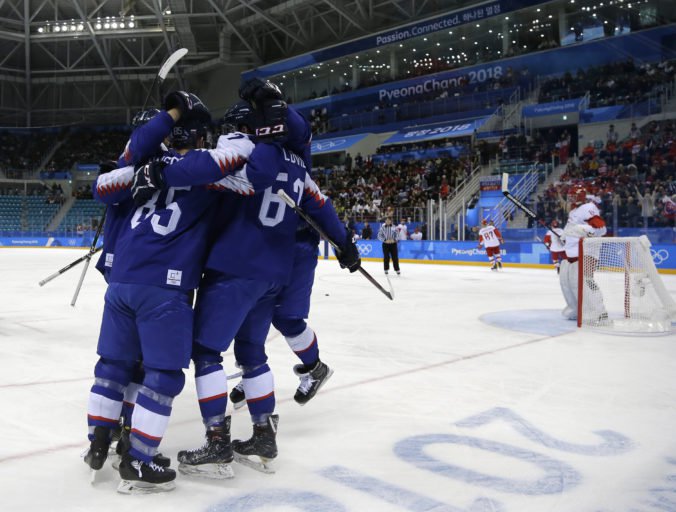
(174, 277)
(109, 259)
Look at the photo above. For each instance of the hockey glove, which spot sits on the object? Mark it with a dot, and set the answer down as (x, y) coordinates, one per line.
(271, 116)
(148, 179)
(258, 91)
(107, 166)
(190, 106)
(348, 257)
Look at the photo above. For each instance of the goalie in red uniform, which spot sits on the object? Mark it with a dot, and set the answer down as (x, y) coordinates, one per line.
(584, 220)
(491, 239)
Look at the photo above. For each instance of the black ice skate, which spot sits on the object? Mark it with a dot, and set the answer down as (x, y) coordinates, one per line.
(123, 446)
(211, 460)
(494, 266)
(237, 395)
(139, 477)
(260, 451)
(500, 264)
(310, 381)
(97, 454)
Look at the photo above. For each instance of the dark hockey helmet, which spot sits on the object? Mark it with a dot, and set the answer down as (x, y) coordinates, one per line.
(143, 117)
(186, 134)
(239, 115)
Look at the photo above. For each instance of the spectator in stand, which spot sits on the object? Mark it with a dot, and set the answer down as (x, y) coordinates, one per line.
(612, 136)
(647, 202)
(402, 230)
(445, 188)
(416, 235)
(366, 232)
(388, 236)
(634, 132)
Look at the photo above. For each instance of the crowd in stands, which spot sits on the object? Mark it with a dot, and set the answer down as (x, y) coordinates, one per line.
(88, 147)
(631, 180)
(366, 191)
(619, 83)
(83, 192)
(20, 152)
(54, 194)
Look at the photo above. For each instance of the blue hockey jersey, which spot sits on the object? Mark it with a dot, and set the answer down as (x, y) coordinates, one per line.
(144, 142)
(164, 241)
(258, 241)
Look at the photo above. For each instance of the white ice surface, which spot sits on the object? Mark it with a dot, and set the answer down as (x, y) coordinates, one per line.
(429, 409)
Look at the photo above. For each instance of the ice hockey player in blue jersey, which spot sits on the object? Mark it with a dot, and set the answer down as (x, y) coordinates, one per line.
(293, 302)
(147, 315)
(248, 265)
(116, 213)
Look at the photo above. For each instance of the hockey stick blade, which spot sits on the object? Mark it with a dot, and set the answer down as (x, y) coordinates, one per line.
(285, 197)
(164, 71)
(510, 197)
(521, 206)
(68, 267)
(171, 62)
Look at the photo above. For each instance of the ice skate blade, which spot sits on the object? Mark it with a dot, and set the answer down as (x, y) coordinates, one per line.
(138, 487)
(115, 463)
(239, 405)
(263, 465)
(93, 476)
(213, 471)
(328, 376)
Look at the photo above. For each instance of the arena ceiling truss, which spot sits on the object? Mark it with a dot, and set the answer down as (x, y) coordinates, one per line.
(63, 61)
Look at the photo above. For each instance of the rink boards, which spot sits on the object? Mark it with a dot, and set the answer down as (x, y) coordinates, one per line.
(522, 254)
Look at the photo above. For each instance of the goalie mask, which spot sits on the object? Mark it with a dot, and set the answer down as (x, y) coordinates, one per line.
(577, 196)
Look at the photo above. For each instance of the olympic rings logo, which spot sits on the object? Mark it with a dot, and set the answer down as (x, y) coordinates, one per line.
(660, 256)
(364, 249)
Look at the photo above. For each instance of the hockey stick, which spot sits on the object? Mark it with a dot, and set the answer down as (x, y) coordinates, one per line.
(88, 256)
(285, 197)
(164, 71)
(523, 207)
(68, 267)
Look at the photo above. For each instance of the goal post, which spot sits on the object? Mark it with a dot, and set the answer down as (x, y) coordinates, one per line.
(619, 288)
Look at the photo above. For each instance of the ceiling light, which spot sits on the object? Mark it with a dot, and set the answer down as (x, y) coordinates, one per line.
(41, 30)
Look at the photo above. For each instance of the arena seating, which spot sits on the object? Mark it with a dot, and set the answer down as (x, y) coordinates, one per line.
(619, 83)
(89, 146)
(23, 151)
(11, 207)
(84, 215)
(369, 192)
(633, 180)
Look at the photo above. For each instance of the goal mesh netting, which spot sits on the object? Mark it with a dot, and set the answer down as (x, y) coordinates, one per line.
(619, 289)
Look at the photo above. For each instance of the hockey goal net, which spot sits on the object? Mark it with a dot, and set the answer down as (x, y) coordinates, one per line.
(619, 289)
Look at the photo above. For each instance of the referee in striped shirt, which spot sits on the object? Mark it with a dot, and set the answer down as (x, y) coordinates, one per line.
(388, 236)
